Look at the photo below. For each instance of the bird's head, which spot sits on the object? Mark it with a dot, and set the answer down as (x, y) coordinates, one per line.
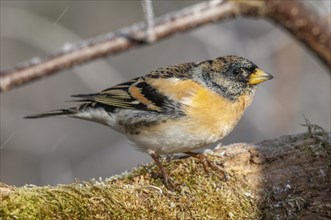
(231, 75)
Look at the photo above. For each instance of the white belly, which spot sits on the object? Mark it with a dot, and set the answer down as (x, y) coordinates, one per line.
(172, 138)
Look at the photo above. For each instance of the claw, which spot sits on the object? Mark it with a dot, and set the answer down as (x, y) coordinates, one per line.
(207, 163)
(167, 181)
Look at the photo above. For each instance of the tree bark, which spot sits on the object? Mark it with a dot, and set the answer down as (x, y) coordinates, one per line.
(283, 178)
(304, 24)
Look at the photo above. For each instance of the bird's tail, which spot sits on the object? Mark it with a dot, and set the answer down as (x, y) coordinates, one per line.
(59, 112)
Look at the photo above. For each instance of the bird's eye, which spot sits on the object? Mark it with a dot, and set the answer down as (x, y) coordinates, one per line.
(236, 71)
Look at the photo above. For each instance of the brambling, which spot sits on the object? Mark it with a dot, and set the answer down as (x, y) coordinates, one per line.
(174, 109)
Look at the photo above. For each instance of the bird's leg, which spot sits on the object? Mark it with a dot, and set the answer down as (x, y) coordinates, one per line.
(166, 178)
(207, 163)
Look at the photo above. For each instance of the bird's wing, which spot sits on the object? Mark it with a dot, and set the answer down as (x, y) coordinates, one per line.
(138, 93)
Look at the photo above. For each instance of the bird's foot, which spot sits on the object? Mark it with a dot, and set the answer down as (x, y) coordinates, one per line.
(167, 181)
(207, 164)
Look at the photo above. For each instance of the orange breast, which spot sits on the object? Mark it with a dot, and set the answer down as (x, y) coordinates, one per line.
(207, 112)
(211, 112)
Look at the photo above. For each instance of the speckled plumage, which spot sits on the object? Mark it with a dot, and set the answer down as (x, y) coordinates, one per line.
(176, 108)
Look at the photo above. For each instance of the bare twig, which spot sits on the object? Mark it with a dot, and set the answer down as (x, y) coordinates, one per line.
(7, 140)
(303, 23)
(149, 17)
(61, 15)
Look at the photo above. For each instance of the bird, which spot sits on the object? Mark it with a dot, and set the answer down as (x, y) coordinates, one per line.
(174, 109)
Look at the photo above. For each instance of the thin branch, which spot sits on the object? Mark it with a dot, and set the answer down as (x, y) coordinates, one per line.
(313, 32)
(149, 17)
(306, 24)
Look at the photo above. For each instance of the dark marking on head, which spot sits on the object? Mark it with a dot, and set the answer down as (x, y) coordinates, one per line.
(227, 75)
(209, 61)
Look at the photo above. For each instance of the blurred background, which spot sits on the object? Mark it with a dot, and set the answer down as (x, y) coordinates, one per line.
(58, 150)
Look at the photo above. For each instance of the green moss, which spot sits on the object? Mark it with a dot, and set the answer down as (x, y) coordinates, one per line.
(322, 145)
(199, 194)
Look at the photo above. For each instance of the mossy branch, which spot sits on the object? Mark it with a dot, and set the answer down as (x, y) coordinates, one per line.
(286, 177)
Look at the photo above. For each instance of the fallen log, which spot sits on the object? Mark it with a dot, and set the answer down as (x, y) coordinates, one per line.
(283, 178)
